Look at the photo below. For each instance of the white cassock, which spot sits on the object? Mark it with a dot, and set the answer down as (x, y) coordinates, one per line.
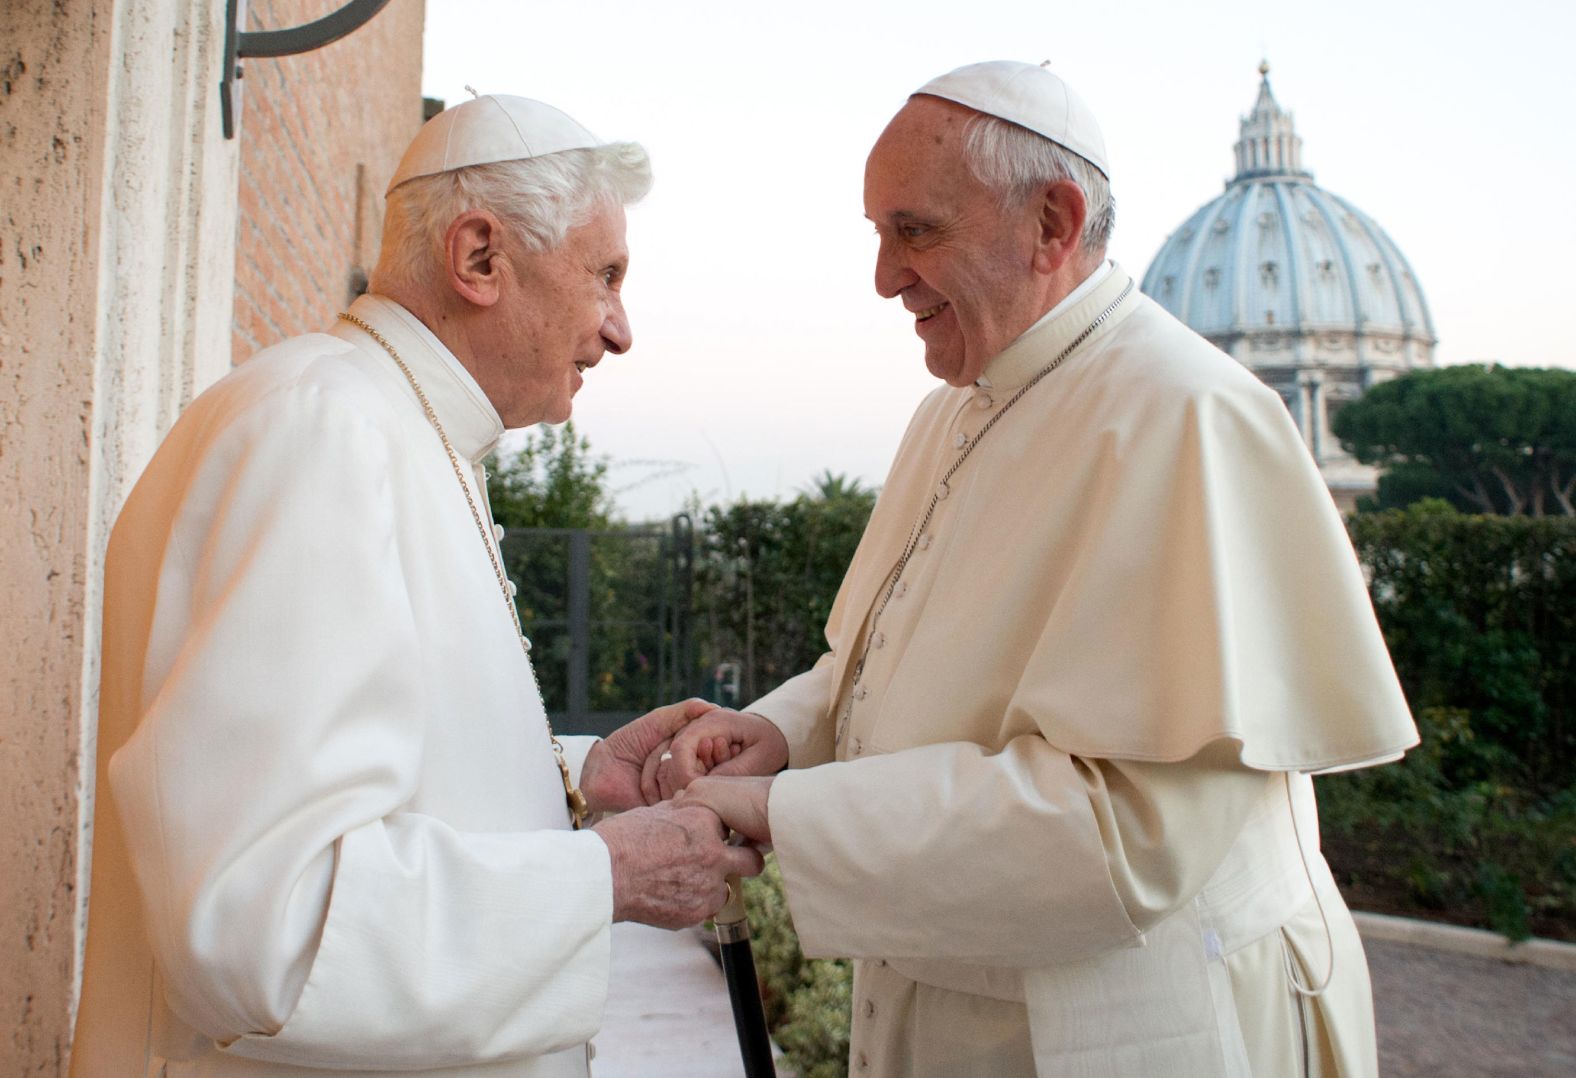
(330, 833)
(1060, 824)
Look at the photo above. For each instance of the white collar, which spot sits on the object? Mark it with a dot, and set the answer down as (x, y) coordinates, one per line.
(1087, 285)
(468, 417)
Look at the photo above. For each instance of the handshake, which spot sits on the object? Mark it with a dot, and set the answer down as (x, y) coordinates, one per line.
(679, 779)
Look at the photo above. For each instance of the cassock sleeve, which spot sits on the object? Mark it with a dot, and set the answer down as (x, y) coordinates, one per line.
(1021, 859)
(298, 911)
(1165, 828)
(799, 707)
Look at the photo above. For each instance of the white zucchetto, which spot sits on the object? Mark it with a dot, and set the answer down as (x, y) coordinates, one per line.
(486, 130)
(1029, 96)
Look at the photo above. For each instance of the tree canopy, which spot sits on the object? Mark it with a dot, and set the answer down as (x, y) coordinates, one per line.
(553, 481)
(1488, 439)
(767, 573)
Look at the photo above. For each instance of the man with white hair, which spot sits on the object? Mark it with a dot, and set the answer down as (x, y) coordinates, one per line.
(1102, 624)
(335, 833)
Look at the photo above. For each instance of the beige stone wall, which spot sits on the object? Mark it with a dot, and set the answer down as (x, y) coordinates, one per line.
(118, 246)
(52, 85)
(321, 134)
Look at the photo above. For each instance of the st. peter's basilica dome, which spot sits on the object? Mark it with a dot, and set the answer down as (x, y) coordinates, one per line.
(1298, 285)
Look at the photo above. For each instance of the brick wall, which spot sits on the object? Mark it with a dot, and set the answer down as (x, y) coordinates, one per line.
(320, 135)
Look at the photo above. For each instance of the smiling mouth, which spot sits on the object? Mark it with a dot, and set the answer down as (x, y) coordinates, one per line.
(930, 312)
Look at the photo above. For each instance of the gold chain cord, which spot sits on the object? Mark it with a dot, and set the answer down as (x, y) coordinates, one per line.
(578, 807)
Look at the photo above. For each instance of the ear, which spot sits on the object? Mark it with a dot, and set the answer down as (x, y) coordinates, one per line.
(473, 257)
(1061, 221)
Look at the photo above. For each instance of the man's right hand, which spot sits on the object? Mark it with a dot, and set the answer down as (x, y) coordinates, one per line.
(669, 862)
(755, 747)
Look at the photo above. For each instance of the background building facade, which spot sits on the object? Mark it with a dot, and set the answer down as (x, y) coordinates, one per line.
(140, 251)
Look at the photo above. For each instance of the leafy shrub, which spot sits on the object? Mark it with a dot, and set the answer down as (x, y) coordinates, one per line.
(808, 1002)
(1403, 839)
(766, 574)
(552, 484)
(1480, 616)
(1477, 824)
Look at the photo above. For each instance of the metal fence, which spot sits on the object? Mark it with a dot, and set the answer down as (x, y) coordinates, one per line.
(609, 618)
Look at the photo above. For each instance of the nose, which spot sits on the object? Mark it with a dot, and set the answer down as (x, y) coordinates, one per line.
(892, 271)
(616, 334)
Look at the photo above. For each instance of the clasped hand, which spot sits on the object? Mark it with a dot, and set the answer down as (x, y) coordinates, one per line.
(724, 760)
(679, 778)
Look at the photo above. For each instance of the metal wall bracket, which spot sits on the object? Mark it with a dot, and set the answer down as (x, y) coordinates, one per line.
(271, 43)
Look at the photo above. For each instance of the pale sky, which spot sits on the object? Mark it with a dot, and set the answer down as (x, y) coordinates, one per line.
(762, 354)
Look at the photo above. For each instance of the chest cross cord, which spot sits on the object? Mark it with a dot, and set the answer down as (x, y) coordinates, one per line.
(935, 497)
(578, 808)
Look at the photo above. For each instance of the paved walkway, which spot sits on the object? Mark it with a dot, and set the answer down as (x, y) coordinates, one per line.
(1440, 1014)
(668, 1014)
(1447, 1015)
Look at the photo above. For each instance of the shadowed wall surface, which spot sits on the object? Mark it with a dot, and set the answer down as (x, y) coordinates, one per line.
(138, 248)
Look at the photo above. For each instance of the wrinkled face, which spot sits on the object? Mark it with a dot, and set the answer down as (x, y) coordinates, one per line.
(959, 261)
(557, 313)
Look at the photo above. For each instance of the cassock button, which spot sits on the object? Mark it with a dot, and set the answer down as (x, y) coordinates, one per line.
(942, 490)
(961, 440)
(861, 1063)
(924, 541)
(879, 640)
(900, 590)
(498, 532)
(870, 1008)
(861, 692)
(859, 747)
(514, 589)
(983, 400)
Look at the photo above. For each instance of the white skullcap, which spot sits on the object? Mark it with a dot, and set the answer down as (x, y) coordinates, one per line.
(1029, 96)
(486, 130)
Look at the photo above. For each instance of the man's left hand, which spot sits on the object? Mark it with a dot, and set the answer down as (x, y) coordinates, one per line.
(610, 778)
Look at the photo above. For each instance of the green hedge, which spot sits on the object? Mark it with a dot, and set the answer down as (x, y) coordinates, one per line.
(1480, 615)
(765, 576)
(1478, 824)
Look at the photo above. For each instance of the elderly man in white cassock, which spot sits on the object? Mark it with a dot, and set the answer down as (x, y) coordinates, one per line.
(335, 833)
(1049, 786)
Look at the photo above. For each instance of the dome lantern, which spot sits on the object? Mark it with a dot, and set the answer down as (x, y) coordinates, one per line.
(1268, 145)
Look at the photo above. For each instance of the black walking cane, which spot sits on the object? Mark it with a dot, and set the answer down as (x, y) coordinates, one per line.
(744, 991)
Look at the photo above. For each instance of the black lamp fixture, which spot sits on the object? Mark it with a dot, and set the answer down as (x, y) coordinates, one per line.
(271, 43)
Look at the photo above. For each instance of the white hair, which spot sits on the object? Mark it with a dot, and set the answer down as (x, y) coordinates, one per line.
(539, 198)
(1017, 163)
